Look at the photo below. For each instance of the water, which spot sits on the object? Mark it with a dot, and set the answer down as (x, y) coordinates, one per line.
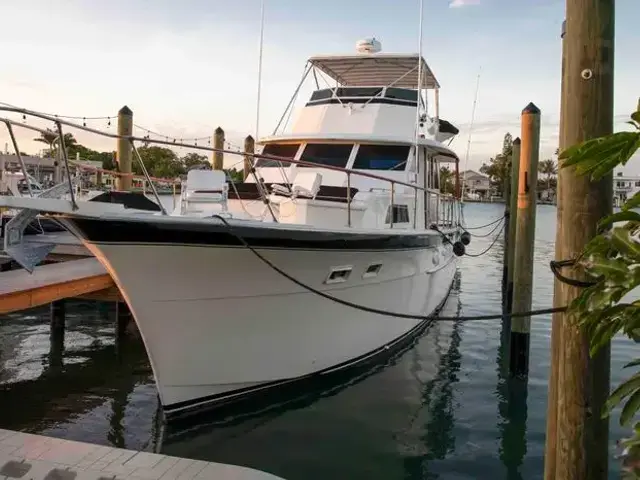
(442, 410)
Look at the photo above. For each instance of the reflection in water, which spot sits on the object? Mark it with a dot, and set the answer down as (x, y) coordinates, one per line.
(511, 393)
(437, 399)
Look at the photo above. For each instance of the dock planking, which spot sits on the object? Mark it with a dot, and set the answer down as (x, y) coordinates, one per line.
(34, 457)
(20, 290)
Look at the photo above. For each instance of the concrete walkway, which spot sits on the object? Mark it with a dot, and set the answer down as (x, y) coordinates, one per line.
(35, 457)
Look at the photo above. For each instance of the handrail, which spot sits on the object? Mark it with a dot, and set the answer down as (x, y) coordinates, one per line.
(201, 147)
(132, 138)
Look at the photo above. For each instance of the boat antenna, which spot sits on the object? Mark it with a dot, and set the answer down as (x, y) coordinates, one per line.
(418, 116)
(473, 116)
(260, 69)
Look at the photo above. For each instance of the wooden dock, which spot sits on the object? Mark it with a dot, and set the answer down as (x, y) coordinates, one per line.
(34, 457)
(20, 290)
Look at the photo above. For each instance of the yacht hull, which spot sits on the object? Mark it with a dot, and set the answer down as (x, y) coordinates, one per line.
(219, 323)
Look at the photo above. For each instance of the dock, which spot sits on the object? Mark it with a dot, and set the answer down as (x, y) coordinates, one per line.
(20, 290)
(34, 457)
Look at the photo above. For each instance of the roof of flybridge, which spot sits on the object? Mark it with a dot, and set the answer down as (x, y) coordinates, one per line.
(376, 69)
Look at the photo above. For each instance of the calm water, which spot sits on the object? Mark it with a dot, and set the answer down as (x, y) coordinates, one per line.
(443, 409)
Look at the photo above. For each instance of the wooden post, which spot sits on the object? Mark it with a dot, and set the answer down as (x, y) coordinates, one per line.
(218, 143)
(124, 152)
(506, 195)
(525, 236)
(582, 383)
(56, 335)
(550, 447)
(249, 147)
(513, 219)
(123, 318)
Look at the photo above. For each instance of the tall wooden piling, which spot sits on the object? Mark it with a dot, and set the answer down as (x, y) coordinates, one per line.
(550, 447)
(506, 194)
(218, 144)
(513, 218)
(249, 148)
(124, 150)
(525, 236)
(582, 383)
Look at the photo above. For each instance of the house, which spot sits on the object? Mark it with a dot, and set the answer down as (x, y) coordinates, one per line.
(475, 185)
(624, 187)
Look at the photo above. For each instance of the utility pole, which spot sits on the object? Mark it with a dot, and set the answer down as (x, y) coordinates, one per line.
(580, 435)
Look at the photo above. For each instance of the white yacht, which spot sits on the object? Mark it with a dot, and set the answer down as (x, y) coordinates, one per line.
(250, 286)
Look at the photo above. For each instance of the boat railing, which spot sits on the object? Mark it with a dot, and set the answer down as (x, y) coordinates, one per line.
(445, 204)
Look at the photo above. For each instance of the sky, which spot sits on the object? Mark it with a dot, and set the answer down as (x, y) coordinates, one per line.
(186, 67)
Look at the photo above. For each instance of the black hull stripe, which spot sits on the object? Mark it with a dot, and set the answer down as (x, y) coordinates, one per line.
(136, 231)
(235, 397)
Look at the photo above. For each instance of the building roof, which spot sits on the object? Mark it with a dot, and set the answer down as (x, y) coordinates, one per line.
(376, 69)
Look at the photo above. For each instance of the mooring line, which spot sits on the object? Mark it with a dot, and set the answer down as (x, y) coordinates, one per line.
(377, 311)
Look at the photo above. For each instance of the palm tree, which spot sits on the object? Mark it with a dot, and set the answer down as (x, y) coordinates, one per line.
(51, 138)
(446, 180)
(548, 168)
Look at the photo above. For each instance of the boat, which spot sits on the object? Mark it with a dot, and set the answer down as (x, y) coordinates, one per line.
(336, 250)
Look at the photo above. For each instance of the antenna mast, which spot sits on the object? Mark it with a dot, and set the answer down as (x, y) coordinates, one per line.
(473, 115)
(260, 69)
(417, 137)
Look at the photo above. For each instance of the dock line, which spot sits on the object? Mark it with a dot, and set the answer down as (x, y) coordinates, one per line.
(376, 311)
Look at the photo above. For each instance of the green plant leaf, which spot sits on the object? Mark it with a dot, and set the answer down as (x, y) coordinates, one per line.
(623, 216)
(635, 116)
(633, 202)
(622, 240)
(624, 390)
(633, 363)
(630, 408)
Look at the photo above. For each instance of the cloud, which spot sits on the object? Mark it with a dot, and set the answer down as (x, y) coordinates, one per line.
(462, 3)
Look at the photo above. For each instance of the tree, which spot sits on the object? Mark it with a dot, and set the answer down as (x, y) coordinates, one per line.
(611, 258)
(51, 138)
(194, 160)
(160, 162)
(498, 168)
(548, 168)
(446, 180)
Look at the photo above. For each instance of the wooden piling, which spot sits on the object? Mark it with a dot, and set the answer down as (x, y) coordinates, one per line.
(525, 236)
(582, 384)
(513, 219)
(550, 447)
(506, 195)
(58, 312)
(218, 143)
(56, 335)
(124, 150)
(249, 147)
(123, 320)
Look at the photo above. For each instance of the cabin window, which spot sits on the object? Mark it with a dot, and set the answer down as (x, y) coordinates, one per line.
(332, 154)
(382, 157)
(287, 150)
(402, 94)
(358, 92)
(400, 214)
(321, 94)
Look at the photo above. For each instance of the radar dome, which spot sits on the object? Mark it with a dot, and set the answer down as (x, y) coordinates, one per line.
(368, 45)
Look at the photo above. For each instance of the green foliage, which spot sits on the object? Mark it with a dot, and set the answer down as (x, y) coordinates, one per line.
(498, 167)
(612, 260)
(446, 180)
